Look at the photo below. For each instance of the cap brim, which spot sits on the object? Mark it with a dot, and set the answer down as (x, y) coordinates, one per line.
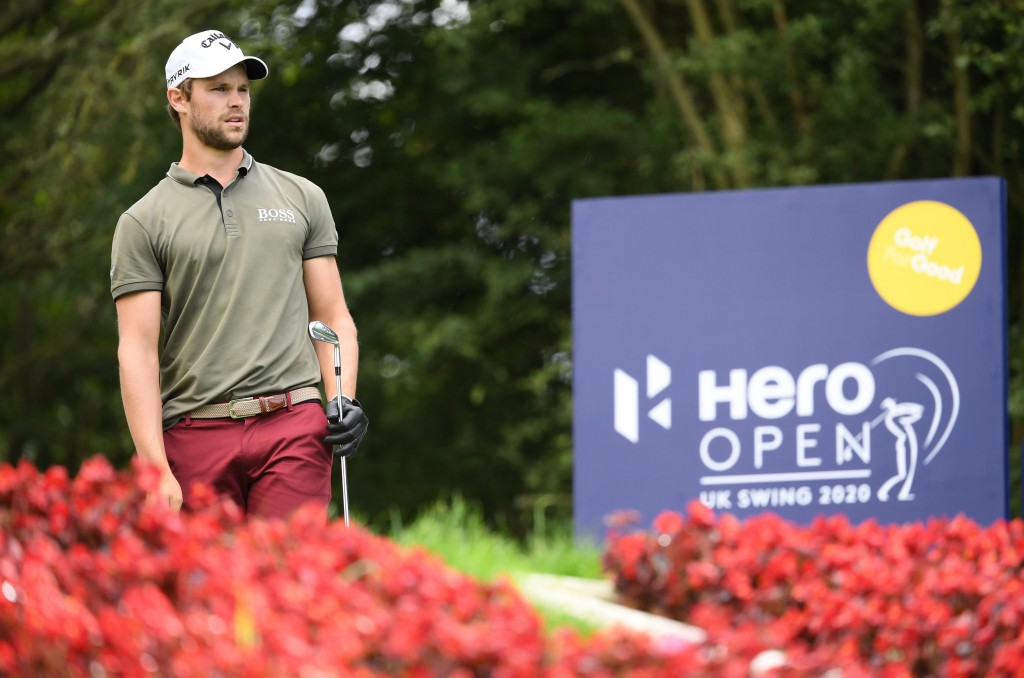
(255, 68)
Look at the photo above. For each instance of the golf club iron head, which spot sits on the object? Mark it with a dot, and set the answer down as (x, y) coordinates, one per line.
(321, 332)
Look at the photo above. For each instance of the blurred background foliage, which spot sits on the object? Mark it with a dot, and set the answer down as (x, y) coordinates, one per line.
(451, 138)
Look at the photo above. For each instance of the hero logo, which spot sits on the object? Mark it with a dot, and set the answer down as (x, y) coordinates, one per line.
(627, 399)
(912, 382)
(285, 215)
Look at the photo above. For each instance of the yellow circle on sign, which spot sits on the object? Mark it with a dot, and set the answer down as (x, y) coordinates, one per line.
(924, 258)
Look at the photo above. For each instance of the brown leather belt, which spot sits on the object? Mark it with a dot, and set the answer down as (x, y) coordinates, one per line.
(241, 408)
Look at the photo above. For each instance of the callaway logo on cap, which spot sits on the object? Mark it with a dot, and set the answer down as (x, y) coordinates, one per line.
(206, 54)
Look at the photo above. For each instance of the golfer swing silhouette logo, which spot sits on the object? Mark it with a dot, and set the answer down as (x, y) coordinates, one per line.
(900, 419)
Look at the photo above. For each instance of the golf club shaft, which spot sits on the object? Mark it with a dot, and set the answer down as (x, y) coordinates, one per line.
(344, 489)
(344, 470)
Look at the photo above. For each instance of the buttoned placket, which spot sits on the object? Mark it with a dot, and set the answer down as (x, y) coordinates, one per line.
(228, 212)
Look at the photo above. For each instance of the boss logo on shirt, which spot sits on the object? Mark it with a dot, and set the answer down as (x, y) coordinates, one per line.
(276, 215)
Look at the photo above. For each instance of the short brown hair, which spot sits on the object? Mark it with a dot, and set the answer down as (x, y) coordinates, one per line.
(186, 93)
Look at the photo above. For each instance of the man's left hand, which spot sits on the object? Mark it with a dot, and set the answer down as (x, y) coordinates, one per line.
(345, 431)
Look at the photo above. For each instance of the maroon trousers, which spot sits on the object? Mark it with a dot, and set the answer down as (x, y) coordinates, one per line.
(268, 464)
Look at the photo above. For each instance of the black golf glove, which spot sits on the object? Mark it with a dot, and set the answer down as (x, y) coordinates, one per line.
(345, 432)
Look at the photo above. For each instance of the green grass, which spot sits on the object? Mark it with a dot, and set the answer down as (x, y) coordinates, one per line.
(456, 532)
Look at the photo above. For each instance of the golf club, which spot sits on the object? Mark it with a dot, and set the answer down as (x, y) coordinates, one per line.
(321, 332)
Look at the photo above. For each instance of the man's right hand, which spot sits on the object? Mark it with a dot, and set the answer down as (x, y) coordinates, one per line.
(168, 492)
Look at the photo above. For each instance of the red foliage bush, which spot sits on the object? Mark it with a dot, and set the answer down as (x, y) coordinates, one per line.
(942, 598)
(96, 581)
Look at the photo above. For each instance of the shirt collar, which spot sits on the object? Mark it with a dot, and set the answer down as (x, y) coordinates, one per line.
(184, 176)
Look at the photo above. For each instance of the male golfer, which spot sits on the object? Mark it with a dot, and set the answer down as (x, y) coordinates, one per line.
(216, 274)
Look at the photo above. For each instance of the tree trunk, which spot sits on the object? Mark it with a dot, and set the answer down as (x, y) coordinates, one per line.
(914, 63)
(796, 95)
(961, 98)
(677, 88)
(734, 129)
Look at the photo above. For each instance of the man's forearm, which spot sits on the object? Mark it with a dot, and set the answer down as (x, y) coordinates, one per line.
(349, 356)
(140, 393)
(346, 330)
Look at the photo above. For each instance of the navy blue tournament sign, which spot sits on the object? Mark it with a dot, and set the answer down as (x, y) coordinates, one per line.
(807, 351)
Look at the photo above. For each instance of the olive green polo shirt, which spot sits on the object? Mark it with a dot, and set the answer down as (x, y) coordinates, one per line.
(229, 269)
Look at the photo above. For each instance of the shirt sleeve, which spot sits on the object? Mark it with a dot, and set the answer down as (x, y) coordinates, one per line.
(134, 265)
(322, 236)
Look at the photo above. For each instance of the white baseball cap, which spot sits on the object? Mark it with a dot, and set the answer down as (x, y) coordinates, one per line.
(209, 53)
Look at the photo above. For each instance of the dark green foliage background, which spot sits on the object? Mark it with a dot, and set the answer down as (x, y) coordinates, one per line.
(451, 144)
